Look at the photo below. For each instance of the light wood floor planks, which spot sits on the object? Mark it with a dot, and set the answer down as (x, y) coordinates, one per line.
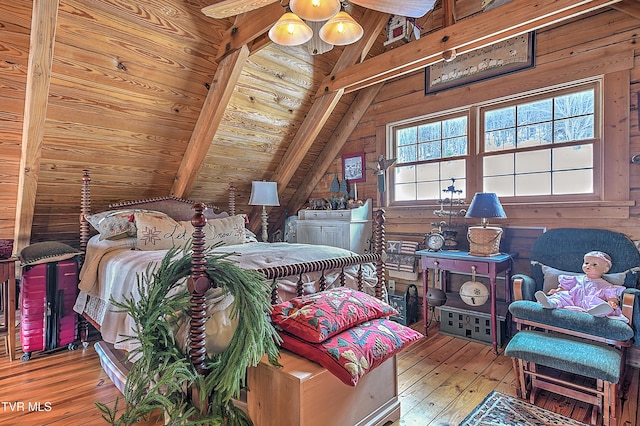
(441, 379)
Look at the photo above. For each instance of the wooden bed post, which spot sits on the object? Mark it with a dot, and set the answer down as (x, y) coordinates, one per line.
(198, 284)
(85, 210)
(232, 199)
(379, 245)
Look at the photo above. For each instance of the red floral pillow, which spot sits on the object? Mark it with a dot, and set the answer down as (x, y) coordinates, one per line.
(351, 354)
(316, 317)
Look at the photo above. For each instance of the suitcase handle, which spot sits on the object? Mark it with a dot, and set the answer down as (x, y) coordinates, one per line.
(60, 304)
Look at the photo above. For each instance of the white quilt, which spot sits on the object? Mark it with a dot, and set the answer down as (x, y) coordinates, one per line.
(111, 270)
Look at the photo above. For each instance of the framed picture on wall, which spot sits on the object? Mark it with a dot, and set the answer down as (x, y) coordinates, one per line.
(353, 167)
(514, 54)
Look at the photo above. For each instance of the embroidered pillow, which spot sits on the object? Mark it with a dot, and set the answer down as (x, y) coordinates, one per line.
(551, 277)
(316, 317)
(160, 232)
(114, 224)
(351, 354)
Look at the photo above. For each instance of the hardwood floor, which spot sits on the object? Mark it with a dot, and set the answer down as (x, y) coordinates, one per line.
(441, 380)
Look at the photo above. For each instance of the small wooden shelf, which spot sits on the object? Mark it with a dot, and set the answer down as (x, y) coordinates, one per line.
(455, 303)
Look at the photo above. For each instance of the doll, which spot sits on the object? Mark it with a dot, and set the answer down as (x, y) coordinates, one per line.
(586, 293)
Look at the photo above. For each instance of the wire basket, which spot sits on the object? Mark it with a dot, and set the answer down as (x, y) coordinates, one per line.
(6, 248)
(484, 241)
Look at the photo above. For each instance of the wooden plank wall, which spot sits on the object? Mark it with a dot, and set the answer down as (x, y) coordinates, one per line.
(15, 24)
(598, 44)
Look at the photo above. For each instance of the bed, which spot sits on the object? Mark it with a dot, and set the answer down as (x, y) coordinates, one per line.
(111, 265)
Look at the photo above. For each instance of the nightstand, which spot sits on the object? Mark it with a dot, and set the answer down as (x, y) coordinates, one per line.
(8, 291)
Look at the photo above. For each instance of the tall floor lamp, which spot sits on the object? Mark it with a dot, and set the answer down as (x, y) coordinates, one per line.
(264, 194)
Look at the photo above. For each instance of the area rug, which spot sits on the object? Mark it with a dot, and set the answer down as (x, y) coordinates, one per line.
(499, 409)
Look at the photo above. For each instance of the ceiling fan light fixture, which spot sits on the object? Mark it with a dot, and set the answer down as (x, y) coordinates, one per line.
(315, 10)
(290, 30)
(316, 46)
(341, 30)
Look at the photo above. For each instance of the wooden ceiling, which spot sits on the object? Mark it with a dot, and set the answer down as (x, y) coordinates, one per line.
(154, 97)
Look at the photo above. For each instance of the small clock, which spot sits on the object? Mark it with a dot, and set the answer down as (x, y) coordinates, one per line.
(435, 240)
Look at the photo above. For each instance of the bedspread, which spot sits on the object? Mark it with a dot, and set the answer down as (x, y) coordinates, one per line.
(111, 271)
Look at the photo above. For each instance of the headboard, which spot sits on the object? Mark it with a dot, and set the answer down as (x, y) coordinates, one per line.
(177, 208)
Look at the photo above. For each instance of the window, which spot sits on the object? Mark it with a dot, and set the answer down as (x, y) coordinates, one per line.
(429, 154)
(541, 145)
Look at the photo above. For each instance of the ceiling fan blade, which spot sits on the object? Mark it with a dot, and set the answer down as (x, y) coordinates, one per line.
(226, 8)
(408, 8)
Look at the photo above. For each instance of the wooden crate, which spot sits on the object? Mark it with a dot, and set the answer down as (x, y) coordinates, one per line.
(303, 393)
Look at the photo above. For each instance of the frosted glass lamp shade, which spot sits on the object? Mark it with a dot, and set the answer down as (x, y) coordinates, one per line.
(290, 30)
(315, 10)
(341, 30)
(264, 194)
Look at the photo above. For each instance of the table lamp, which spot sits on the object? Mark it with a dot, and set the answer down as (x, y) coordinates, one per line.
(485, 240)
(264, 194)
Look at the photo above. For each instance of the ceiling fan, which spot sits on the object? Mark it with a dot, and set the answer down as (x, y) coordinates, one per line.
(409, 8)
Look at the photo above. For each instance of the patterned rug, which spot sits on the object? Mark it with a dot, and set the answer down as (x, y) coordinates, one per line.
(499, 409)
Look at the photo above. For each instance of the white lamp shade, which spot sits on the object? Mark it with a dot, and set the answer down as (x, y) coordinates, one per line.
(315, 10)
(341, 30)
(290, 30)
(264, 194)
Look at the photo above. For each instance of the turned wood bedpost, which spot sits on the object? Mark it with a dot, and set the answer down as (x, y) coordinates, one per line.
(85, 210)
(232, 199)
(198, 284)
(379, 244)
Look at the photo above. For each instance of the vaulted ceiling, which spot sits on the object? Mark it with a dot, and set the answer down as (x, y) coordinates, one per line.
(156, 98)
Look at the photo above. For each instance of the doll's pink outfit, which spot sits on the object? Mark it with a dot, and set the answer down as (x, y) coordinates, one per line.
(583, 293)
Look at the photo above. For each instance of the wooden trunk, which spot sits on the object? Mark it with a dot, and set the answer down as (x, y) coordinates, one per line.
(303, 393)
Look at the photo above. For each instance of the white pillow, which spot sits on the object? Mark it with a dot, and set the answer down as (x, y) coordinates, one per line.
(160, 232)
(551, 277)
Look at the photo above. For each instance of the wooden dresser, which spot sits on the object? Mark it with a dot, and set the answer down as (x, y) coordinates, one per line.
(349, 229)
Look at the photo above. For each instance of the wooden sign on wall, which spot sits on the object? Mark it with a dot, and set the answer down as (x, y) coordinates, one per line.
(507, 56)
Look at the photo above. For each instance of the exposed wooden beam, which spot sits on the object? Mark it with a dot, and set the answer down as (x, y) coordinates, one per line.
(448, 13)
(226, 8)
(248, 27)
(224, 82)
(44, 18)
(630, 7)
(501, 23)
(372, 22)
(331, 150)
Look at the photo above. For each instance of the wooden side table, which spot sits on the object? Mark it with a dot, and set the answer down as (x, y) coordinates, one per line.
(463, 262)
(8, 281)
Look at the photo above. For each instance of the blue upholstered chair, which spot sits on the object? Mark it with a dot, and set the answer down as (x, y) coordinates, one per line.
(575, 342)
